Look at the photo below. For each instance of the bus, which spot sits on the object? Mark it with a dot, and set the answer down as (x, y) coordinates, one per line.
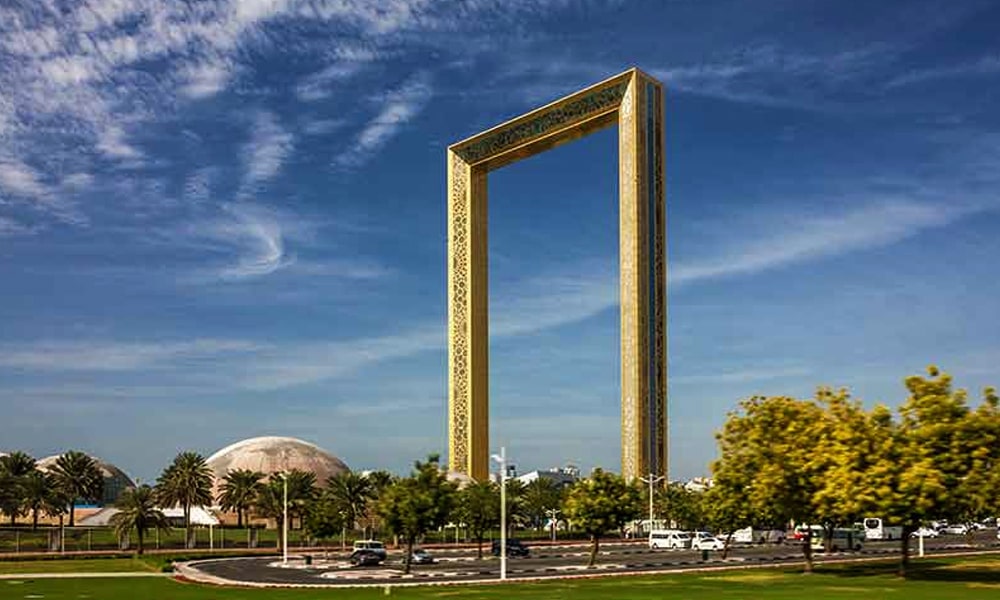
(876, 529)
(842, 539)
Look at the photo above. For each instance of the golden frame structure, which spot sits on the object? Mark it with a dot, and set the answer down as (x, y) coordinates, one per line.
(634, 101)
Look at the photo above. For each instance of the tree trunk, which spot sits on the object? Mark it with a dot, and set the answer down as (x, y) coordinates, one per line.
(807, 551)
(409, 554)
(72, 512)
(595, 542)
(34, 519)
(187, 525)
(904, 556)
(479, 545)
(239, 518)
(828, 538)
(725, 547)
(140, 531)
(13, 517)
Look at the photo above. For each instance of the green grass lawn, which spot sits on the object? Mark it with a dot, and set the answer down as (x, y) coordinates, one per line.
(966, 579)
(83, 565)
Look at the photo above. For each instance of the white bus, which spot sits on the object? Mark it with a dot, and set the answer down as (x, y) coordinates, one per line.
(876, 529)
(843, 539)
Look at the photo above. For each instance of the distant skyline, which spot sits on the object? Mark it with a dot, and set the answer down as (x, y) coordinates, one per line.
(226, 219)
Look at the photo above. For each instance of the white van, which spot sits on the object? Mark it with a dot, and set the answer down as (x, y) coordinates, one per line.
(671, 539)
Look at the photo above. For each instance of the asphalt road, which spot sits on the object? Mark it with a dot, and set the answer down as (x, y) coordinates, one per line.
(462, 564)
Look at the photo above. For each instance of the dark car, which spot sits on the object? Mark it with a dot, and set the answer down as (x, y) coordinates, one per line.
(421, 557)
(365, 558)
(514, 548)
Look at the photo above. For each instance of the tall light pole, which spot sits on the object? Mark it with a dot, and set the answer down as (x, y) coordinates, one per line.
(652, 480)
(502, 459)
(284, 520)
(553, 513)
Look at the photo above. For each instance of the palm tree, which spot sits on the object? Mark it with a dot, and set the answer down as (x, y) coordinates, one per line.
(79, 477)
(352, 492)
(270, 501)
(15, 467)
(186, 482)
(137, 510)
(239, 491)
(36, 490)
(301, 491)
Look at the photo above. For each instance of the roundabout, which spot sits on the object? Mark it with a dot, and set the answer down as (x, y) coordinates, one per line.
(561, 562)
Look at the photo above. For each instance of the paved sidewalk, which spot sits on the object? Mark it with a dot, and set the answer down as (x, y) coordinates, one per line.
(82, 575)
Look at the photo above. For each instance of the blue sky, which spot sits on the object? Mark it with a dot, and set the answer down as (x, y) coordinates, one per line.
(227, 219)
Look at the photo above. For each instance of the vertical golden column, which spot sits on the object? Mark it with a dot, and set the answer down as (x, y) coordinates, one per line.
(655, 151)
(630, 251)
(642, 230)
(468, 320)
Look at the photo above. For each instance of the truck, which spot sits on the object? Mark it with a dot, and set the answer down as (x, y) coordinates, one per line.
(751, 535)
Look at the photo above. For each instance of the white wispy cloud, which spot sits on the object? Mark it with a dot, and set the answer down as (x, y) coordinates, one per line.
(399, 106)
(266, 152)
(320, 85)
(114, 356)
(812, 237)
(251, 237)
(987, 65)
(19, 179)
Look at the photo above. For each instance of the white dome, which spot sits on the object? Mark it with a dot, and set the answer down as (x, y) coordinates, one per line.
(115, 480)
(274, 455)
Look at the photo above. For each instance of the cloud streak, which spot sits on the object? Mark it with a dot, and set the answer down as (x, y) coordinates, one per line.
(398, 107)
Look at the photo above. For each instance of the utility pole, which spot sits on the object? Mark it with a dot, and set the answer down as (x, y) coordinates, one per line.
(502, 460)
(553, 514)
(652, 480)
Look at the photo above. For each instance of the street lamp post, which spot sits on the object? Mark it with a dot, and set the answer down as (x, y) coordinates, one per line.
(502, 459)
(651, 480)
(553, 514)
(284, 520)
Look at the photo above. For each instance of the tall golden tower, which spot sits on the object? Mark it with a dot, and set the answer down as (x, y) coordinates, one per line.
(633, 101)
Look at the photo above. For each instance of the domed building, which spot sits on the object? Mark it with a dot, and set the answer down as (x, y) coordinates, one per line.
(270, 455)
(115, 480)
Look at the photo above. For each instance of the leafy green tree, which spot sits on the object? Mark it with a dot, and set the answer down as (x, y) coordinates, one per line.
(764, 452)
(137, 510)
(186, 482)
(980, 488)
(924, 457)
(15, 466)
(324, 517)
(538, 497)
(352, 492)
(239, 491)
(380, 481)
(79, 477)
(726, 508)
(676, 503)
(601, 503)
(479, 510)
(422, 502)
(846, 448)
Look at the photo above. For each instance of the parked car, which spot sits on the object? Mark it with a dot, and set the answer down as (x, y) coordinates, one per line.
(365, 558)
(421, 557)
(703, 540)
(374, 545)
(514, 548)
(956, 529)
(671, 539)
(926, 532)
